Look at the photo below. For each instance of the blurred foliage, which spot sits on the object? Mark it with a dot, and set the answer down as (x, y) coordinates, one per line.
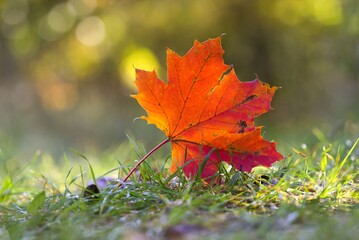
(67, 67)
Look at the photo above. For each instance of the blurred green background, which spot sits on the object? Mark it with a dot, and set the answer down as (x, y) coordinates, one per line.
(67, 67)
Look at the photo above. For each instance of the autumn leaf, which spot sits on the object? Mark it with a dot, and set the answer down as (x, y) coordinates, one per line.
(206, 112)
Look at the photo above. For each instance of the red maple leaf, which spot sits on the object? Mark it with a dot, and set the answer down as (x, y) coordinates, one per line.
(206, 112)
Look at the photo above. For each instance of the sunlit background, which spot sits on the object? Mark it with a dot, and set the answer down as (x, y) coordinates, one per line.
(67, 67)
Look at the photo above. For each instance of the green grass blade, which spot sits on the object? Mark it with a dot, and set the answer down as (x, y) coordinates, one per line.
(37, 203)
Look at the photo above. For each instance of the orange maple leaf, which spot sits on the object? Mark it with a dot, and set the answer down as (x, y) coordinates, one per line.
(204, 106)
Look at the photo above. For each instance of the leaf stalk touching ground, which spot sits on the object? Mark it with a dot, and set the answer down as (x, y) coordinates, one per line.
(143, 159)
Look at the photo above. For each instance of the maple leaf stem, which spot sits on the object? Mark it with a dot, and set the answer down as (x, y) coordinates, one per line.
(142, 160)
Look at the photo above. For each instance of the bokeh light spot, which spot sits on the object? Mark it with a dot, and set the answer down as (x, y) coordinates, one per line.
(328, 12)
(61, 17)
(23, 42)
(57, 95)
(15, 11)
(141, 58)
(91, 31)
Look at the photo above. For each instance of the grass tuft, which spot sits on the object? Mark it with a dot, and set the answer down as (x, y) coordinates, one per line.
(312, 194)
